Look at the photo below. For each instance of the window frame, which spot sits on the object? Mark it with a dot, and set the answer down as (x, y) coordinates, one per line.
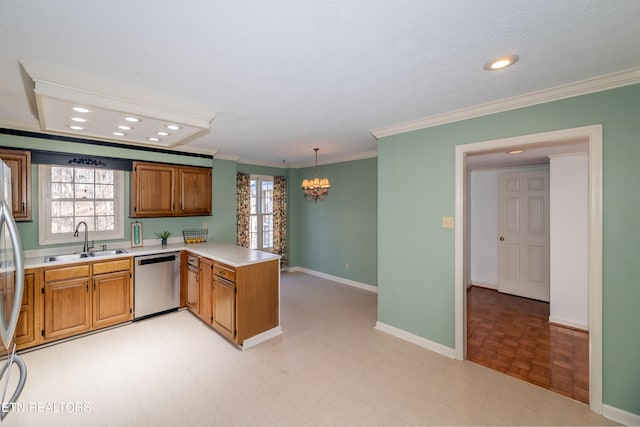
(259, 179)
(46, 237)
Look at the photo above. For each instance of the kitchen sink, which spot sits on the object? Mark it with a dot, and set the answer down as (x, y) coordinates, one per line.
(81, 255)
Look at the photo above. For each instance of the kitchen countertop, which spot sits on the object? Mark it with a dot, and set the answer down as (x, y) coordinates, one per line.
(227, 253)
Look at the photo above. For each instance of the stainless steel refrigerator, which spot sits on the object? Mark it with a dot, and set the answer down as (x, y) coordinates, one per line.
(11, 292)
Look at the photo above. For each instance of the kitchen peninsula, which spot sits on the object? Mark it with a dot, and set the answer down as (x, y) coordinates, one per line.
(237, 291)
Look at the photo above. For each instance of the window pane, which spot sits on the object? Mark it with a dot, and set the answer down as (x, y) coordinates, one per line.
(61, 191)
(105, 223)
(253, 232)
(61, 174)
(267, 197)
(104, 176)
(104, 191)
(84, 209)
(90, 220)
(84, 191)
(105, 208)
(62, 225)
(84, 175)
(254, 197)
(267, 231)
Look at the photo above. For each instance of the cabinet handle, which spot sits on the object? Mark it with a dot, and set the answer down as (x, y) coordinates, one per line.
(24, 207)
(94, 284)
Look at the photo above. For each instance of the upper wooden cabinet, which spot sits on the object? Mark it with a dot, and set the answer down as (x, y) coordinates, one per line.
(159, 190)
(20, 164)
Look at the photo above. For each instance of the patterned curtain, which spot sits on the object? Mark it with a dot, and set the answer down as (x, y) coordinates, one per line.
(243, 208)
(280, 219)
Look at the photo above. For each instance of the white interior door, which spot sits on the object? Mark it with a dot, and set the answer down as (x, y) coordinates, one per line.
(523, 234)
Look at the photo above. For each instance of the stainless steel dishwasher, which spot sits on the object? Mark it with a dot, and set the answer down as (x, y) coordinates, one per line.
(156, 284)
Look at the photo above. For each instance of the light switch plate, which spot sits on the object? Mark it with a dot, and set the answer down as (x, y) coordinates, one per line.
(447, 222)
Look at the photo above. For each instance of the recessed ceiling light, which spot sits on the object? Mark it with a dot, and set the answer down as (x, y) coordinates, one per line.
(515, 151)
(161, 133)
(132, 119)
(78, 119)
(124, 127)
(501, 63)
(153, 138)
(172, 127)
(81, 110)
(119, 134)
(76, 127)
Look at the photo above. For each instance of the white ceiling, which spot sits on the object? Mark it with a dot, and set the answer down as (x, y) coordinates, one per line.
(285, 76)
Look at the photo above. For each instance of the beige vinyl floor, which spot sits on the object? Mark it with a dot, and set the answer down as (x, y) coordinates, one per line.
(330, 367)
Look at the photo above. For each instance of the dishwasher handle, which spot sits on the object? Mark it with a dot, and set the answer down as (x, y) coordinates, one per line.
(156, 260)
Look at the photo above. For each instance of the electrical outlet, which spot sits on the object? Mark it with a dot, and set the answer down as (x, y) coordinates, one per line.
(447, 222)
(205, 225)
(347, 266)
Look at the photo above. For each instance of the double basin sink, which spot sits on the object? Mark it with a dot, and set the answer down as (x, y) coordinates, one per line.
(81, 255)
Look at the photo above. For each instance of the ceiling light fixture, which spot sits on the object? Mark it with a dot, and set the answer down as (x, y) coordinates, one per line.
(515, 152)
(501, 63)
(172, 127)
(124, 127)
(119, 133)
(161, 133)
(78, 119)
(153, 138)
(132, 119)
(315, 188)
(76, 127)
(81, 110)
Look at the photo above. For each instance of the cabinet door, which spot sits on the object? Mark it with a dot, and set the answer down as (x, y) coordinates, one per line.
(194, 186)
(193, 288)
(111, 299)
(67, 308)
(25, 331)
(20, 164)
(206, 290)
(152, 190)
(224, 300)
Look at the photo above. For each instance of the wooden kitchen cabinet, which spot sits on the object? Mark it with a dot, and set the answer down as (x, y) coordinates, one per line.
(224, 303)
(83, 297)
(26, 328)
(245, 300)
(193, 283)
(194, 191)
(160, 190)
(112, 293)
(206, 290)
(67, 302)
(20, 164)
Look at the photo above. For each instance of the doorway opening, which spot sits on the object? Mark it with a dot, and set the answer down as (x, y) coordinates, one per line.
(593, 136)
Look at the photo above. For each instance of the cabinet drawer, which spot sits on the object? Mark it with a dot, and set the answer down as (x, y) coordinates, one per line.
(111, 266)
(225, 271)
(63, 273)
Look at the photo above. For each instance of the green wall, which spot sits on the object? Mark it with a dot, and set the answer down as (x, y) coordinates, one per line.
(221, 224)
(416, 173)
(341, 229)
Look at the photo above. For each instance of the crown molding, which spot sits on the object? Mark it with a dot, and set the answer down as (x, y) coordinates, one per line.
(348, 158)
(583, 87)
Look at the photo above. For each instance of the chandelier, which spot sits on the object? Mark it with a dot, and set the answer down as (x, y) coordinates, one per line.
(315, 188)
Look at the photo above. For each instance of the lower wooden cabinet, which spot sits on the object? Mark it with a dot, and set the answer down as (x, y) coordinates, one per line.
(224, 302)
(83, 297)
(26, 330)
(112, 293)
(238, 302)
(67, 308)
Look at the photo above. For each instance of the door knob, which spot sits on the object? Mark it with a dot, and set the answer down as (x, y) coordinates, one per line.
(502, 238)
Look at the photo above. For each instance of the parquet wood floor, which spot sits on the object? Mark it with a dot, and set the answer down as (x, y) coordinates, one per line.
(511, 334)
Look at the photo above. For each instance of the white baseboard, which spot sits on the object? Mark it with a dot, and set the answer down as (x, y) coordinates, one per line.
(621, 416)
(342, 280)
(262, 337)
(485, 285)
(417, 340)
(569, 323)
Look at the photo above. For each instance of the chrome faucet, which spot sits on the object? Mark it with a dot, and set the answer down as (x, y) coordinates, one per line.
(86, 247)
